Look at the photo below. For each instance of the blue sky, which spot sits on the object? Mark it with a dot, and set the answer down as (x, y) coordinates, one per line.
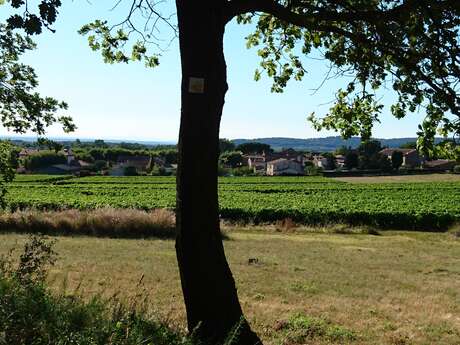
(132, 102)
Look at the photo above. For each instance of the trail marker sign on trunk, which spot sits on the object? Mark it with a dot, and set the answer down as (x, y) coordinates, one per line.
(195, 85)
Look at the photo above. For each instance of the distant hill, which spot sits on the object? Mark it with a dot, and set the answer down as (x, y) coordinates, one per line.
(320, 144)
(277, 143)
(27, 139)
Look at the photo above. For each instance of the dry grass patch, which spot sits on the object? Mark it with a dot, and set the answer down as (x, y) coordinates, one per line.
(106, 222)
(397, 288)
(288, 226)
(454, 231)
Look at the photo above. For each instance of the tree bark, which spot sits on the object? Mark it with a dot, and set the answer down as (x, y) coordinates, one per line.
(213, 308)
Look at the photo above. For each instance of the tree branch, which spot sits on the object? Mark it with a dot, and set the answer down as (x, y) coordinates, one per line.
(238, 7)
(317, 14)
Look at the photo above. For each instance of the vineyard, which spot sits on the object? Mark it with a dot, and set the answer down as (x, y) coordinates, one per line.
(306, 200)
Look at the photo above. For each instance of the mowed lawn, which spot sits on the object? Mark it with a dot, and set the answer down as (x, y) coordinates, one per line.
(396, 288)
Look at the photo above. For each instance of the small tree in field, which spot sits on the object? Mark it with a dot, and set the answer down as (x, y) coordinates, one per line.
(330, 161)
(231, 159)
(397, 159)
(226, 145)
(384, 164)
(351, 160)
(370, 148)
(411, 45)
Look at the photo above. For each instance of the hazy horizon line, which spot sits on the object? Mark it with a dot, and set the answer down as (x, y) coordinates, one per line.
(172, 142)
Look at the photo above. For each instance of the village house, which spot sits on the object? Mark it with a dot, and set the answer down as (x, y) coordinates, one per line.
(283, 166)
(71, 165)
(320, 161)
(411, 157)
(68, 154)
(254, 160)
(75, 167)
(340, 161)
(293, 155)
(25, 152)
(158, 161)
(259, 162)
(140, 163)
(170, 168)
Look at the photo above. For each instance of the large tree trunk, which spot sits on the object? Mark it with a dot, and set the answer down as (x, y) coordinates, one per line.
(211, 300)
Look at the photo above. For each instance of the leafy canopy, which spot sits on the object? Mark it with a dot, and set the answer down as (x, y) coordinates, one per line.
(23, 109)
(6, 168)
(411, 46)
(33, 23)
(397, 159)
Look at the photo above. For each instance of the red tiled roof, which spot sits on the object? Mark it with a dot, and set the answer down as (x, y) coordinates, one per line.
(389, 151)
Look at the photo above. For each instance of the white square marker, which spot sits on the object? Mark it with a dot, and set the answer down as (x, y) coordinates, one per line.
(195, 85)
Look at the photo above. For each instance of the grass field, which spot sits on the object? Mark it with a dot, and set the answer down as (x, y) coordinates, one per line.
(397, 288)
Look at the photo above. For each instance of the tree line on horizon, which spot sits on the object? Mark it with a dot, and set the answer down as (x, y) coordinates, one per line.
(231, 160)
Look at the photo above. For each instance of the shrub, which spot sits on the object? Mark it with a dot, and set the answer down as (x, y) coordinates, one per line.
(222, 171)
(243, 171)
(83, 155)
(160, 171)
(330, 161)
(100, 165)
(232, 159)
(384, 163)
(130, 171)
(397, 159)
(30, 314)
(302, 329)
(351, 160)
(456, 169)
(313, 170)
